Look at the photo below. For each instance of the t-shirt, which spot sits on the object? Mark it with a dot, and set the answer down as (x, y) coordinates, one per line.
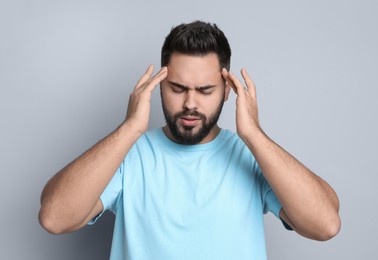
(177, 202)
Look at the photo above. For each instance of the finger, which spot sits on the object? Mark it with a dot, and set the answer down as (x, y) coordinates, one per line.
(247, 79)
(225, 77)
(145, 76)
(155, 80)
(236, 83)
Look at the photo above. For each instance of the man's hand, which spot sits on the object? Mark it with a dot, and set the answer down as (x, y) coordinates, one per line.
(247, 121)
(309, 205)
(72, 197)
(138, 112)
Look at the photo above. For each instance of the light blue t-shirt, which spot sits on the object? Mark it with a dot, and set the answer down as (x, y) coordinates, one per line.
(177, 202)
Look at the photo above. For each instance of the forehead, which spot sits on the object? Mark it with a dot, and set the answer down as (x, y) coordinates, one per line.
(194, 70)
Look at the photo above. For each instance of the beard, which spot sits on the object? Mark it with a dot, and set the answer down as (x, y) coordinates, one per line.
(188, 134)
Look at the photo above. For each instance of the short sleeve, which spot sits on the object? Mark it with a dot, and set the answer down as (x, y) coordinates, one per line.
(270, 200)
(110, 194)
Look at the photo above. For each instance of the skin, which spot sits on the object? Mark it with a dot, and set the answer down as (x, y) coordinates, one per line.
(309, 205)
(71, 198)
(193, 83)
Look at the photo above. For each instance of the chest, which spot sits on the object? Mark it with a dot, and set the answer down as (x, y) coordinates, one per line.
(190, 192)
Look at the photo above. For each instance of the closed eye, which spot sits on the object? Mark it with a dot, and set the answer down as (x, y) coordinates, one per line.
(177, 89)
(206, 90)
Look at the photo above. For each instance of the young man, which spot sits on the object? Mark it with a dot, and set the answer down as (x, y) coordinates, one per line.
(190, 190)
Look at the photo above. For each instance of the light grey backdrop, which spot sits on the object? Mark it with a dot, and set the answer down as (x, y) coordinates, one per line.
(67, 68)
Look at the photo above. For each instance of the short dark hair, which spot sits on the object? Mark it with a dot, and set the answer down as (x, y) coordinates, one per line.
(198, 39)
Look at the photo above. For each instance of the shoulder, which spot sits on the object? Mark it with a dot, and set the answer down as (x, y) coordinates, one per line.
(236, 146)
(231, 140)
(153, 141)
(150, 137)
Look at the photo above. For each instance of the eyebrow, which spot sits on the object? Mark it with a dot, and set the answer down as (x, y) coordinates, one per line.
(186, 87)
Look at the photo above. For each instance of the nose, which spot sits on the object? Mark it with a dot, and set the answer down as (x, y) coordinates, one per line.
(190, 100)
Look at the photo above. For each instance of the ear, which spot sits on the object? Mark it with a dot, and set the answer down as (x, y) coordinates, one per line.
(226, 91)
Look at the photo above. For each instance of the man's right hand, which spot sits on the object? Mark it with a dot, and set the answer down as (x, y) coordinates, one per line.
(138, 111)
(72, 197)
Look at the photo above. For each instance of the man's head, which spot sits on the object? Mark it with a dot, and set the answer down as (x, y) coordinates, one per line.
(197, 39)
(194, 91)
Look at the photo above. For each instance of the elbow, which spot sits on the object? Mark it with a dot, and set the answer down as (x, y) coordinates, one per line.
(50, 223)
(330, 229)
(322, 230)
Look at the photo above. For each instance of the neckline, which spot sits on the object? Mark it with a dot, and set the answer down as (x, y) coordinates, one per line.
(193, 147)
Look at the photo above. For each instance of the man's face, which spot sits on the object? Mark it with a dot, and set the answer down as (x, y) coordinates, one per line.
(192, 98)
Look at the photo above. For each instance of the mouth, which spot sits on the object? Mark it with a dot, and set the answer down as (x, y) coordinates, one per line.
(190, 120)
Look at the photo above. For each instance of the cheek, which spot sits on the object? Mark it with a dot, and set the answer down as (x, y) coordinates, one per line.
(171, 102)
(213, 101)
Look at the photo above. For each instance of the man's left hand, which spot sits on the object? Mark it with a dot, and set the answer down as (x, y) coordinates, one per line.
(247, 121)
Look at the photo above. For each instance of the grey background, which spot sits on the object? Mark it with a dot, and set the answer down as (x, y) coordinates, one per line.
(67, 68)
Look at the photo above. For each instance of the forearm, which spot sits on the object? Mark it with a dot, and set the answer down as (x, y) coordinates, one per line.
(70, 196)
(308, 201)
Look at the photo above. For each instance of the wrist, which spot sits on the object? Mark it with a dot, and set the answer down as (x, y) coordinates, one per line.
(128, 129)
(253, 136)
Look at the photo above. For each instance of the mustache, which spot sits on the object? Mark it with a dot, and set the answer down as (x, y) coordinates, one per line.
(190, 112)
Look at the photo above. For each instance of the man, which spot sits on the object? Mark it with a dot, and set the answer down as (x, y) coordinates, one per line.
(190, 190)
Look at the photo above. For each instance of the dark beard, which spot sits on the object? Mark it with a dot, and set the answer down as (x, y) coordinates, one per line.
(187, 136)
